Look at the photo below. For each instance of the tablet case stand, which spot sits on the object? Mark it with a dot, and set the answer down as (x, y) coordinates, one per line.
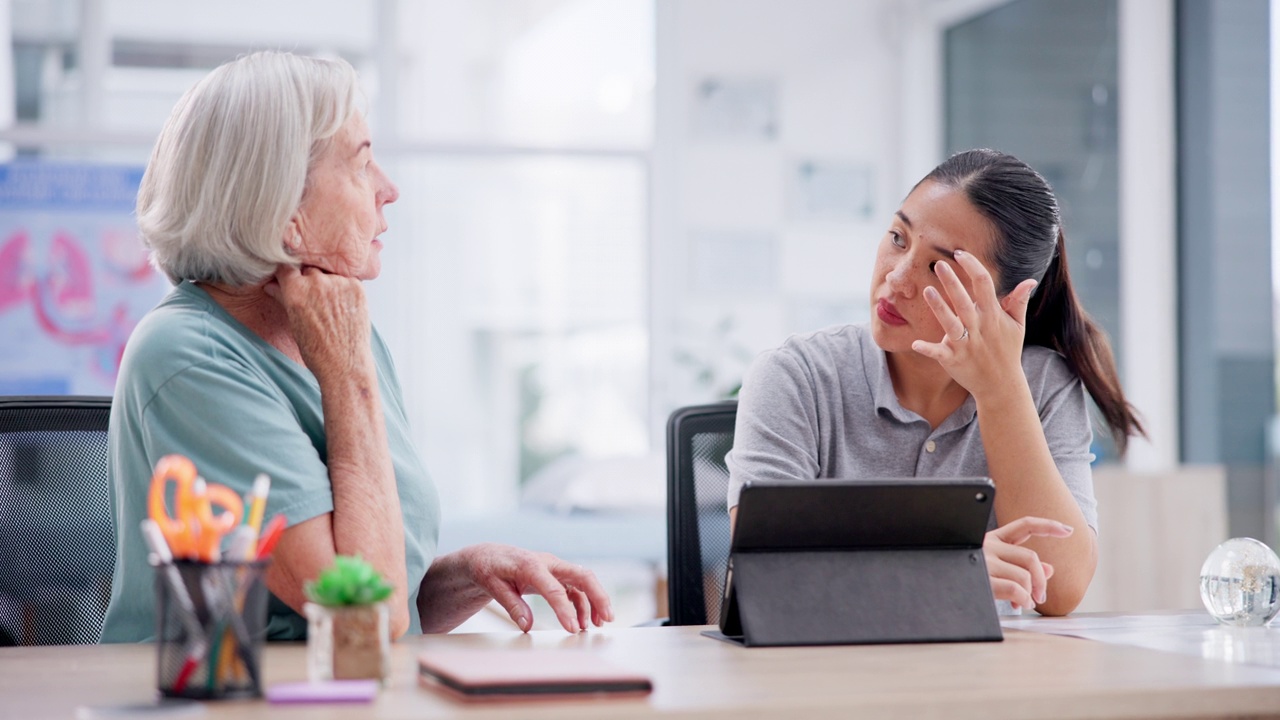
(805, 596)
(859, 596)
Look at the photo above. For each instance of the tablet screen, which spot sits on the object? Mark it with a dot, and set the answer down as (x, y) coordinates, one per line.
(868, 513)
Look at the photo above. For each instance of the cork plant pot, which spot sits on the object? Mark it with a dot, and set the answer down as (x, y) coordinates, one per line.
(349, 642)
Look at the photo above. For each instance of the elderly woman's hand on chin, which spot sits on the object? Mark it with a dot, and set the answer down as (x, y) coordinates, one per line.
(461, 583)
(328, 316)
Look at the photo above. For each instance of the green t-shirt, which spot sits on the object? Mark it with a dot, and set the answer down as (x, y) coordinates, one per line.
(195, 381)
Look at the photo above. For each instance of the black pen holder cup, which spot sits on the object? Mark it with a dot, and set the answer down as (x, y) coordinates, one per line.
(211, 624)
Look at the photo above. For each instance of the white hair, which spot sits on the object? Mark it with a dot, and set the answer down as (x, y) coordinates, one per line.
(230, 166)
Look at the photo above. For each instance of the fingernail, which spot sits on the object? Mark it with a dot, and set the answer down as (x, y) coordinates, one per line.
(522, 621)
(1041, 597)
(957, 253)
(1067, 527)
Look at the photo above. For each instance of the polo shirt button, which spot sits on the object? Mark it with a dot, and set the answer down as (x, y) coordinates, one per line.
(930, 446)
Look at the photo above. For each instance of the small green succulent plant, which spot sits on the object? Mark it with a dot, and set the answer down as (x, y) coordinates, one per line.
(351, 581)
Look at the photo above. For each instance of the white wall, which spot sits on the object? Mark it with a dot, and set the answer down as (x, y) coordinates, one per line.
(1154, 532)
(735, 266)
(1148, 227)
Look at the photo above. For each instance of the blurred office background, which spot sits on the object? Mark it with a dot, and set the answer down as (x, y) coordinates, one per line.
(608, 207)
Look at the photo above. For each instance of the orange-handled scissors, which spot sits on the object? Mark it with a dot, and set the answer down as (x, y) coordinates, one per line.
(196, 532)
(209, 529)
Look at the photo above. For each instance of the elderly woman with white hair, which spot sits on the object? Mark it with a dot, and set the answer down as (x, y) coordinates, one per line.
(263, 204)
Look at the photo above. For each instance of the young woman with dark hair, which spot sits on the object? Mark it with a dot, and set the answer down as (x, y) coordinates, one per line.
(976, 362)
(1031, 244)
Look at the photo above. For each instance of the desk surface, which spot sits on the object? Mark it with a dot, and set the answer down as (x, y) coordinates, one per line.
(1029, 675)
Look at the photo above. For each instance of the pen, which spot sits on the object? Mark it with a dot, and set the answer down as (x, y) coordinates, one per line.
(218, 595)
(241, 544)
(257, 504)
(194, 511)
(196, 645)
(240, 547)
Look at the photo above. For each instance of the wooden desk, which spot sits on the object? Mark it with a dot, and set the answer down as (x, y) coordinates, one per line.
(1029, 675)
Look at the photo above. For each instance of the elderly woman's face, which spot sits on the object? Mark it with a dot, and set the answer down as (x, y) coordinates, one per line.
(340, 217)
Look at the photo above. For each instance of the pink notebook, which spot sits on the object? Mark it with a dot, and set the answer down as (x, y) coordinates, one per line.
(526, 674)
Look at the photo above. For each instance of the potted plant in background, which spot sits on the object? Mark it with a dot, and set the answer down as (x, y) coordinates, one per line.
(348, 635)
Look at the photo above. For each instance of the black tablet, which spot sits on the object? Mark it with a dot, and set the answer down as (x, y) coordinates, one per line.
(860, 561)
(852, 514)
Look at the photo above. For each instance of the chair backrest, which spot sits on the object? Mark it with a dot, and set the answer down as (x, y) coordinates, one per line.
(57, 536)
(697, 514)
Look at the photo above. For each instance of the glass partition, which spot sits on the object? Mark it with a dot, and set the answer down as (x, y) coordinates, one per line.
(1037, 78)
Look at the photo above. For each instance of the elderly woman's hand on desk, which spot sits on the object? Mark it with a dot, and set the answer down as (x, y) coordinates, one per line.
(460, 583)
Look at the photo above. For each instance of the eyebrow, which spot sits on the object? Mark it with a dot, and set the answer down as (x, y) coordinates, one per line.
(939, 249)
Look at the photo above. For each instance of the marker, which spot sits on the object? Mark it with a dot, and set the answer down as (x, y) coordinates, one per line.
(270, 536)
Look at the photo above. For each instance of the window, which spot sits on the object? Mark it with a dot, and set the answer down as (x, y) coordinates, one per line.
(1038, 79)
(515, 271)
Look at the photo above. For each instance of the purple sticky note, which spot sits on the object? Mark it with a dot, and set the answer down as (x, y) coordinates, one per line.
(332, 691)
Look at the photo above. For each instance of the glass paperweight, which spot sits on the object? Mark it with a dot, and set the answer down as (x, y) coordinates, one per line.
(348, 643)
(1240, 583)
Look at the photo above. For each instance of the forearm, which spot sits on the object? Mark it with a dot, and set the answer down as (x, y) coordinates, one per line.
(449, 594)
(367, 520)
(329, 333)
(1028, 484)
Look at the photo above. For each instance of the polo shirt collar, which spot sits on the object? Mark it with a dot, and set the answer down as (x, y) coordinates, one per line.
(881, 385)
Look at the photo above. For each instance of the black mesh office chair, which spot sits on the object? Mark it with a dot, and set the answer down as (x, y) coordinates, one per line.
(697, 515)
(57, 537)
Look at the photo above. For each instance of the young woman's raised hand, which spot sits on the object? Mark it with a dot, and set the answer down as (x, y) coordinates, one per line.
(982, 341)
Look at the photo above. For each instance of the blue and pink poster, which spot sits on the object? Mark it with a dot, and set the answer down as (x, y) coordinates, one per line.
(74, 277)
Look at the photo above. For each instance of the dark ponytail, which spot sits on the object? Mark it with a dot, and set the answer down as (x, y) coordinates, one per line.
(1030, 244)
(1056, 320)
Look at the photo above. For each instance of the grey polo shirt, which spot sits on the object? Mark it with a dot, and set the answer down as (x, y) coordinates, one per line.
(823, 406)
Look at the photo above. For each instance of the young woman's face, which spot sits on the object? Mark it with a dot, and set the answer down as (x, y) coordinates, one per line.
(933, 222)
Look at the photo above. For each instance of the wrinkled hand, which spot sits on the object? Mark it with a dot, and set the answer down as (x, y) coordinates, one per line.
(982, 358)
(1016, 572)
(328, 317)
(507, 573)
